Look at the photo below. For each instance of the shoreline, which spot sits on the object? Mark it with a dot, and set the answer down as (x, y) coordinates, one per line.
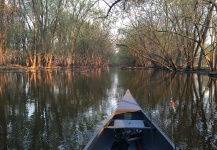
(82, 68)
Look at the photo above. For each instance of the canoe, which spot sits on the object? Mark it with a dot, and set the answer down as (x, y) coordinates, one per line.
(129, 128)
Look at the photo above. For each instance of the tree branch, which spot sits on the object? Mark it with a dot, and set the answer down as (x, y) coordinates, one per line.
(110, 7)
(188, 37)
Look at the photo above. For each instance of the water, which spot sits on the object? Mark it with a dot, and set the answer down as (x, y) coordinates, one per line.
(62, 109)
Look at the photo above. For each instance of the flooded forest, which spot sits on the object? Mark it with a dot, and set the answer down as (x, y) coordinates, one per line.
(58, 82)
(173, 35)
(40, 112)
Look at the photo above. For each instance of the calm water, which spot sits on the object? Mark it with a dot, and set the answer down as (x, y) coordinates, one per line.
(62, 109)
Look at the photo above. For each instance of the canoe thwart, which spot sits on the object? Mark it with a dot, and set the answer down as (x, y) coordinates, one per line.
(128, 124)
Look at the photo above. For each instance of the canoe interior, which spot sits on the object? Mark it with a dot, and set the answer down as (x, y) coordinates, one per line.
(150, 137)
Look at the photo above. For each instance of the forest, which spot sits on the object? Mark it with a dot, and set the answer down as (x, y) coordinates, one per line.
(163, 34)
(44, 33)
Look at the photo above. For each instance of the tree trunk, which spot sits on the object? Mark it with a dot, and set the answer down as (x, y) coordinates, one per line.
(39, 60)
(200, 60)
(204, 35)
(2, 30)
(214, 47)
(34, 52)
(1, 54)
(69, 61)
(50, 60)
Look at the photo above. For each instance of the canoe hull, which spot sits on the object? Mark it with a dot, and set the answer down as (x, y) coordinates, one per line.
(131, 128)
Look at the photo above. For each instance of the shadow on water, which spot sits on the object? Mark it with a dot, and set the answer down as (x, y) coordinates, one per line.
(50, 109)
(194, 124)
(62, 109)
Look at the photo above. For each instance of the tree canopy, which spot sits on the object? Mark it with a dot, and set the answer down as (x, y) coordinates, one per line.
(169, 34)
(42, 33)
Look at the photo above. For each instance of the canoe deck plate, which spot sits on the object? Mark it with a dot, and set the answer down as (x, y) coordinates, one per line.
(137, 124)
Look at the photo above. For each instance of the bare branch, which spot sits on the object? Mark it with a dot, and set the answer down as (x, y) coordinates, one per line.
(188, 37)
(110, 7)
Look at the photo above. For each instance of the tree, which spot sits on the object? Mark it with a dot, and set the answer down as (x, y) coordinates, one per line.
(39, 33)
(6, 15)
(171, 34)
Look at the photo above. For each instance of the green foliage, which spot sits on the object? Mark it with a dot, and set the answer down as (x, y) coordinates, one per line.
(171, 34)
(122, 58)
(57, 30)
(164, 33)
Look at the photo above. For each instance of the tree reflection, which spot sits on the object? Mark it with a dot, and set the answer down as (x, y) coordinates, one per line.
(195, 101)
(3, 123)
(51, 109)
(60, 109)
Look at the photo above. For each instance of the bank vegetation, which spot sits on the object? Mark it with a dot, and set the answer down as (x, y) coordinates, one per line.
(163, 34)
(46, 33)
(169, 34)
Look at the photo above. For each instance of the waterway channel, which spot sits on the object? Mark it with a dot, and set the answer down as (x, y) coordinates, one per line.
(61, 109)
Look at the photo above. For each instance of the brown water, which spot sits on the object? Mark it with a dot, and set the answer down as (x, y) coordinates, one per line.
(62, 109)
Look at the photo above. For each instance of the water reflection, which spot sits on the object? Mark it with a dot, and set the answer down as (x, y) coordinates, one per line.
(52, 109)
(193, 125)
(62, 109)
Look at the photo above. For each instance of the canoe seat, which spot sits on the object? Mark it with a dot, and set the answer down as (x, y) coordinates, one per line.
(128, 124)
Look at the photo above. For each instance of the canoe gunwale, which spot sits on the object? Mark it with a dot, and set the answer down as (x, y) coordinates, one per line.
(125, 107)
